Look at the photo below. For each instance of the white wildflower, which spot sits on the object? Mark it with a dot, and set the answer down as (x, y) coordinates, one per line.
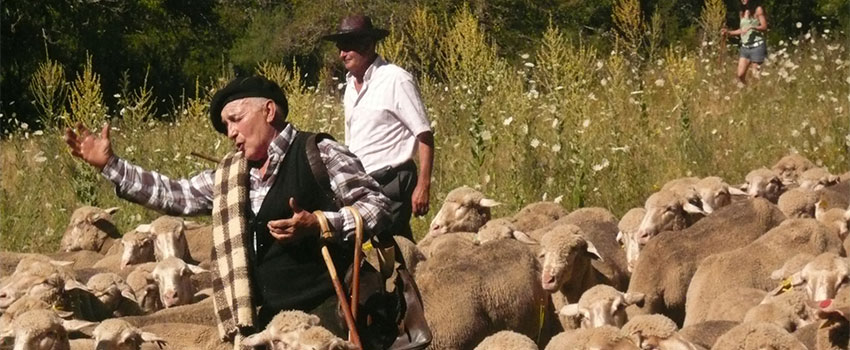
(558, 199)
(812, 131)
(117, 95)
(529, 64)
(486, 136)
(599, 64)
(799, 25)
(556, 147)
(486, 179)
(534, 143)
(585, 123)
(25, 126)
(604, 164)
(524, 56)
(603, 82)
(340, 86)
(38, 133)
(508, 121)
(489, 88)
(524, 129)
(659, 83)
(795, 133)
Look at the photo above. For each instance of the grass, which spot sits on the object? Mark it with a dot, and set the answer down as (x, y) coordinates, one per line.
(564, 123)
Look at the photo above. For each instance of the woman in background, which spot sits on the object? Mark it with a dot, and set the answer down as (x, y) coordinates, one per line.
(753, 45)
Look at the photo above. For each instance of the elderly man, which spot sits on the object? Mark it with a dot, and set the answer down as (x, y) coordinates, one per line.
(262, 198)
(385, 122)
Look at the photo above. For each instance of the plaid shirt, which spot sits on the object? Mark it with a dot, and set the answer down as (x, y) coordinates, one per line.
(194, 196)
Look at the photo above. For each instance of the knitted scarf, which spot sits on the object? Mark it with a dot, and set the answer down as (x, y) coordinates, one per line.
(231, 282)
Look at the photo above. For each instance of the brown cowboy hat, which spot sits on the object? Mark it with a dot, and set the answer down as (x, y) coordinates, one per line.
(356, 27)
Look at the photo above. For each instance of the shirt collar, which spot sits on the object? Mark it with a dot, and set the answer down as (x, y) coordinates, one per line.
(372, 67)
(278, 147)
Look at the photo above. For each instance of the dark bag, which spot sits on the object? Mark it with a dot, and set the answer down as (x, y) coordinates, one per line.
(388, 318)
(391, 315)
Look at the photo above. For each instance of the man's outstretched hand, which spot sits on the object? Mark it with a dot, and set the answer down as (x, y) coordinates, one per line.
(301, 224)
(88, 147)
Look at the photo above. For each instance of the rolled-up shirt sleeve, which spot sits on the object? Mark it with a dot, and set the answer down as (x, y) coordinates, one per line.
(355, 188)
(191, 196)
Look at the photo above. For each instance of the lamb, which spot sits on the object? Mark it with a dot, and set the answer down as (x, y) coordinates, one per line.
(454, 244)
(757, 336)
(605, 337)
(501, 228)
(507, 340)
(117, 334)
(627, 235)
(705, 334)
(666, 211)
(464, 209)
(836, 219)
(490, 287)
(170, 238)
(114, 293)
(823, 276)
(655, 332)
(817, 178)
(173, 277)
(664, 269)
(199, 313)
(42, 329)
(601, 305)
(798, 203)
(791, 166)
(138, 247)
(787, 310)
(683, 187)
(722, 271)
(714, 193)
(90, 228)
(24, 304)
(296, 330)
(734, 303)
(188, 336)
(764, 183)
(537, 215)
(834, 330)
(145, 288)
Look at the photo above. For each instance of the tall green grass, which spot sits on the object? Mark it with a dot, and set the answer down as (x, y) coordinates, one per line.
(565, 122)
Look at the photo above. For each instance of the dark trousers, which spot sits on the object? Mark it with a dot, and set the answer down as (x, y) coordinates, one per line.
(398, 184)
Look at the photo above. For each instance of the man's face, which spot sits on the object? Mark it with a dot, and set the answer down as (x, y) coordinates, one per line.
(355, 54)
(248, 123)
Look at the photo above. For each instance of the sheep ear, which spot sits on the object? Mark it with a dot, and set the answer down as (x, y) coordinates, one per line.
(488, 203)
(64, 314)
(524, 238)
(149, 337)
(621, 238)
(736, 191)
(797, 279)
(77, 325)
(569, 310)
(143, 228)
(196, 269)
(112, 211)
(634, 298)
(255, 340)
(314, 320)
(693, 209)
(821, 208)
(594, 254)
(71, 284)
(778, 274)
(743, 187)
(61, 263)
(127, 293)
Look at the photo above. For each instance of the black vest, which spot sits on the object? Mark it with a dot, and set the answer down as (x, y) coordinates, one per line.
(293, 276)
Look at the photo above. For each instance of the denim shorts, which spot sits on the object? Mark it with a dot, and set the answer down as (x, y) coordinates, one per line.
(755, 54)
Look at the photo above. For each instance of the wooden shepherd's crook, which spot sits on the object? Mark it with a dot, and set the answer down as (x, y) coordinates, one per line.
(326, 234)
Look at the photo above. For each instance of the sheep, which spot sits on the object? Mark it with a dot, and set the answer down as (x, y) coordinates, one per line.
(537, 215)
(454, 244)
(823, 276)
(501, 228)
(170, 238)
(173, 277)
(504, 340)
(705, 334)
(296, 330)
(24, 304)
(664, 269)
(42, 329)
(787, 310)
(714, 193)
(145, 288)
(817, 178)
(605, 337)
(117, 334)
(834, 329)
(114, 293)
(836, 218)
(200, 313)
(764, 183)
(200, 242)
(598, 226)
(138, 247)
(655, 332)
(722, 271)
(627, 235)
(791, 166)
(757, 336)
(733, 304)
(601, 305)
(490, 287)
(798, 203)
(791, 266)
(464, 209)
(89, 229)
(666, 211)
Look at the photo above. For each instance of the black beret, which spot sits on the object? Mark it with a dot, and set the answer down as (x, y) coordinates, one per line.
(255, 86)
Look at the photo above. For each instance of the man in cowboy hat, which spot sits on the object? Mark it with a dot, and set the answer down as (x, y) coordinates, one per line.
(271, 229)
(385, 121)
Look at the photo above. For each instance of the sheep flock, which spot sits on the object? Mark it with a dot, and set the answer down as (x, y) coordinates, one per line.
(702, 265)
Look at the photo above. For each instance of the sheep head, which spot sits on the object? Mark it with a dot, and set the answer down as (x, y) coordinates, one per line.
(464, 210)
(296, 330)
(138, 246)
(602, 305)
(823, 276)
(170, 233)
(42, 330)
(110, 289)
(763, 183)
(628, 235)
(563, 253)
(117, 334)
(665, 210)
(790, 167)
(173, 277)
(817, 178)
(713, 193)
(145, 289)
(88, 229)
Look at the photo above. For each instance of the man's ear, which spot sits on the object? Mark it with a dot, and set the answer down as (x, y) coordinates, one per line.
(270, 109)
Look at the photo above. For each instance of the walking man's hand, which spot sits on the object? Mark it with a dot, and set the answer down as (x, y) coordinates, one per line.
(301, 224)
(89, 147)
